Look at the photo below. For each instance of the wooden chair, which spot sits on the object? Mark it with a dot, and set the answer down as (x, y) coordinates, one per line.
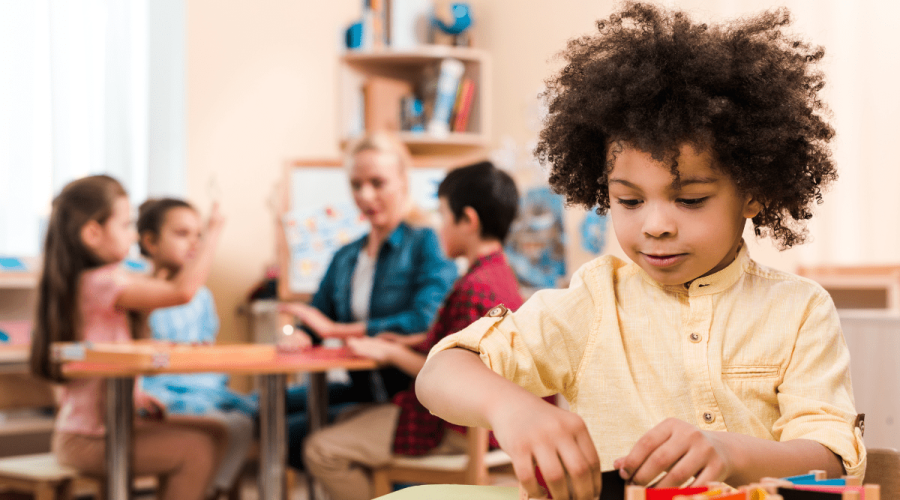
(884, 469)
(40, 474)
(469, 468)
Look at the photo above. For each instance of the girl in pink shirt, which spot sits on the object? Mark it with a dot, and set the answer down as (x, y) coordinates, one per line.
(85, 295)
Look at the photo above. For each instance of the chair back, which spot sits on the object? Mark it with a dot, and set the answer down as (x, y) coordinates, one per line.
(884, 469)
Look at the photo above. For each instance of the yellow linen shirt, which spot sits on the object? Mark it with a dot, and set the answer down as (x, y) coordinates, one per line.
(747, 349)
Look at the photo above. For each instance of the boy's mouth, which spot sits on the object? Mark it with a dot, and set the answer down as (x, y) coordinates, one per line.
(664, 260)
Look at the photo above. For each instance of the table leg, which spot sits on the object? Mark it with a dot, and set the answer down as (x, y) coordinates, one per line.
(317, 401)
(119, 422)
(317, 406)
(272, 438)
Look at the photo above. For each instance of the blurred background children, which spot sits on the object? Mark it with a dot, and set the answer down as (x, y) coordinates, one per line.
(169, 232)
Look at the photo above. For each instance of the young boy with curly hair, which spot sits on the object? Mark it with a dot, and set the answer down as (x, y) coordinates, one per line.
(693, 360)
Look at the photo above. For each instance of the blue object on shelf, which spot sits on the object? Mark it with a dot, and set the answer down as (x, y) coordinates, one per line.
(354, 35)
(12, 264)
(462, 19)
(3, 336)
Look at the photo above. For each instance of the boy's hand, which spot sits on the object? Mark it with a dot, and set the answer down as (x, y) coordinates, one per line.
(681, 450)
(374, 348)
(410, 340)
(534, 432)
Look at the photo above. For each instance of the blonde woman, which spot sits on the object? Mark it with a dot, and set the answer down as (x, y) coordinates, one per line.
(390, 282)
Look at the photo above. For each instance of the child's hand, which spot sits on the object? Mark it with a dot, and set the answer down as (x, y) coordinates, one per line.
(310, 316)
(681, 450)
(406, 340)
(374, 348)
(216, 219)
(148, 407)
(534, 432)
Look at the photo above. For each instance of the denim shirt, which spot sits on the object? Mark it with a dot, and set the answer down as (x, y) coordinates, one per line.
(412, 277)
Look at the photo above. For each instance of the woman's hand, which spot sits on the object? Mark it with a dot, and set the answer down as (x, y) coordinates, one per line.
(310, 316)
(374, 348)
(534, 432)
(148, 407)
(679, 449)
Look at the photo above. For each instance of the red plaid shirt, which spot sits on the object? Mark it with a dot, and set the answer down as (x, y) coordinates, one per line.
(489, 282)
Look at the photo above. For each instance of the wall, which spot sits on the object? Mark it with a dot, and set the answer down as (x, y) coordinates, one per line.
(261, 89)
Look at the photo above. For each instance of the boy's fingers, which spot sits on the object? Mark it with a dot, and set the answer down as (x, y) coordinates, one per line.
(593, 460)
(685, 468)
(579, 471)
(523, 466)
(553, 472)
(706, 476)
(635, 463)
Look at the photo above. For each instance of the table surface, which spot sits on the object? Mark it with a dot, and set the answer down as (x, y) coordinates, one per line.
(453, 492)
(314, 361)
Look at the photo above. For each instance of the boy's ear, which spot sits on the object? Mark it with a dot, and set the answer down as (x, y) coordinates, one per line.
(470, 216)
(752, 208)
(91, 234)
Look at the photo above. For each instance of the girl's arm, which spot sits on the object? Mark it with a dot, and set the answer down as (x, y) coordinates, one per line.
(148, 293)
(455, 385)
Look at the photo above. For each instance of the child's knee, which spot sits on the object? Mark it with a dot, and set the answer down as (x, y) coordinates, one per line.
(317, 453)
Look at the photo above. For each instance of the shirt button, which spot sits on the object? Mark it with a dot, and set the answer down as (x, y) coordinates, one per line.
(695, 337)
(709, 417)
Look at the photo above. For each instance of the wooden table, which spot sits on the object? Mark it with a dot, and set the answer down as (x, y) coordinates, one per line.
(272, 374)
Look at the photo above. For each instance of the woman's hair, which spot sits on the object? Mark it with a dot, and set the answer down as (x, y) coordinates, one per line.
(652, 79)
(65, 259)
(383, 142)
(152, 215)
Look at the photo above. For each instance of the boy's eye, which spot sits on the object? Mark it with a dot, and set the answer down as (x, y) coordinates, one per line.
(628, 202)
(692, 202)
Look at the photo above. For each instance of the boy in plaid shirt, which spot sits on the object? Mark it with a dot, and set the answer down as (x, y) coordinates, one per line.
(477, 204)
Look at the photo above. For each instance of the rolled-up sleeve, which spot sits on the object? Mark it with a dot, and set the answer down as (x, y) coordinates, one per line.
(540, 346)
(816, 396)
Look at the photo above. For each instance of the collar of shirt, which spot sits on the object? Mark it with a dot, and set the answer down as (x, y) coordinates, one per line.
(491, 258)
(394, 240)
(708, 285)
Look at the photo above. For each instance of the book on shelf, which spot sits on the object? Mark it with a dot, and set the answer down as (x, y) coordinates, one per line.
(383, 101)
(464, 109)
(449, 75)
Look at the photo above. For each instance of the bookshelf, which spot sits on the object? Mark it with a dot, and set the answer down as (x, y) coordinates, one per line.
(373, 82)
(24, 426)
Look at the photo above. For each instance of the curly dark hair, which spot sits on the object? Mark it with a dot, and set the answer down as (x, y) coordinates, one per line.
(745, 91)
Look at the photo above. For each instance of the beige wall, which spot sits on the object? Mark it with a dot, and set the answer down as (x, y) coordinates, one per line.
(261, 90)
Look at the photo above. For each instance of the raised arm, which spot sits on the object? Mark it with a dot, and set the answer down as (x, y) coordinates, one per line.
(147, 293)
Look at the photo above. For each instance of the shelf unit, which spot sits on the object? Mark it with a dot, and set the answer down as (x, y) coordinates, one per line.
(410, 68)
(24, 428)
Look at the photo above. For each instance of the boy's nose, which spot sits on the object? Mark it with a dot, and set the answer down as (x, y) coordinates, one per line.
(658, 223)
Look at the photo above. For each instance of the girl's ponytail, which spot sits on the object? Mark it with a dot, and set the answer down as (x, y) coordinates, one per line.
(65, 259)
